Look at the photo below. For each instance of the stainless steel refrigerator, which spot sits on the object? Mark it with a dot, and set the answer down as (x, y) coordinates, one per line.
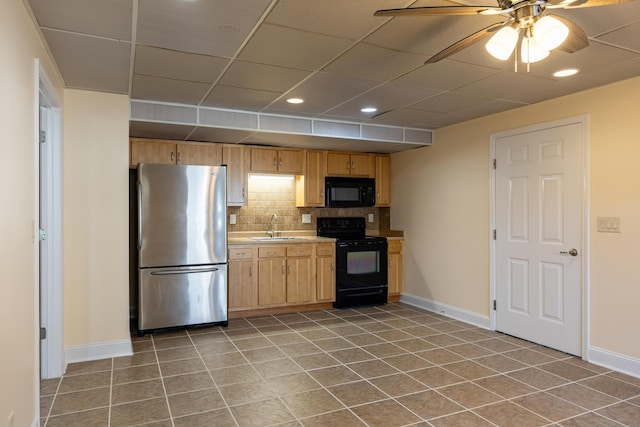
(182, 245)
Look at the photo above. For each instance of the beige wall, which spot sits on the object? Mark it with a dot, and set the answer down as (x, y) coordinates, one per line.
(95, 218)
(20, 45)
(441, 201)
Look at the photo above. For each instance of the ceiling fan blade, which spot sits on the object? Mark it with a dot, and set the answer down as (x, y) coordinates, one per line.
(574, 4)
(465, 42)
(577, 38)
(436, 11)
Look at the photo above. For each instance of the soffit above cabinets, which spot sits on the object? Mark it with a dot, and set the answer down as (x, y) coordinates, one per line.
(252, 55)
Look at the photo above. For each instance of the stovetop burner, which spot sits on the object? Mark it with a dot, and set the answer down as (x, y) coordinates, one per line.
(342, 228)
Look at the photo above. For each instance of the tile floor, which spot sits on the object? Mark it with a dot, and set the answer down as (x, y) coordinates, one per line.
(392, 365)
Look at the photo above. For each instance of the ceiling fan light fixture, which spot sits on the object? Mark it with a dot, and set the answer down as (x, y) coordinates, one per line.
(550, 32)
(531, 51)
(502, 43)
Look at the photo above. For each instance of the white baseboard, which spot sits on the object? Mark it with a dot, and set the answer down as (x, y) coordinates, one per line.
(617, 362)
(456, 313)
(97, 351)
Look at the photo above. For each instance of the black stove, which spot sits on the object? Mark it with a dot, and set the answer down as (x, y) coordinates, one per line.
(361, 262)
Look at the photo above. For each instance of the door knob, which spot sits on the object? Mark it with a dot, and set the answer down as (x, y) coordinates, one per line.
(572, 252)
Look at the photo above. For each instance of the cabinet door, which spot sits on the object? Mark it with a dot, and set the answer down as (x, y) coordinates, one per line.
(310, 188)
(383, 172)
(291, 161)
(271, 282)
(325, 279)
(243, 286)
(362, 165)
(192, 153)
(338, 164)
(299, 280)
(151, 151)
(395, 273)
(263, 160)
(236, 157)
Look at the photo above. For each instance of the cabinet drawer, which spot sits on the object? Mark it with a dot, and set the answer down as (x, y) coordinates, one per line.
(395, 245)
(271, 251)
(299, 250)
(325, 250)
(240, 253)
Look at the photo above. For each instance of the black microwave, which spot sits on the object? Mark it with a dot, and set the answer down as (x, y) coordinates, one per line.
(349, 192)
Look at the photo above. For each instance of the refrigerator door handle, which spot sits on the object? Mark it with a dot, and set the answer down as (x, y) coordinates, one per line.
(139, 215)
(195, 270)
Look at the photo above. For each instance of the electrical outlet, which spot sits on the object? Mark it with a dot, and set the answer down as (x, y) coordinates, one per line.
(232, 219)
(306, 218)
(11, 420)
(370, 217)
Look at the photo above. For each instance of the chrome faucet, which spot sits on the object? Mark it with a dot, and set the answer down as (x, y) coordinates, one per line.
(272, 231)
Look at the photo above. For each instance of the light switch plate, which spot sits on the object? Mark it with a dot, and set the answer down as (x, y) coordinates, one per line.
(232, 219)
(609, 224)
(306, 218)
(370, 217)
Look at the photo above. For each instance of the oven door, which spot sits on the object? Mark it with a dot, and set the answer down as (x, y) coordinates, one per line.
(361, 264)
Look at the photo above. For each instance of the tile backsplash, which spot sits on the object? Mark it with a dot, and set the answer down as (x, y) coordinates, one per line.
(269, 195)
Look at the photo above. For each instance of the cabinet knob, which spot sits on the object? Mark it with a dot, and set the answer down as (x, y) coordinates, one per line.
(179, 156)
(172, 156)
(353, 165)
(274, 161)
(348, 164)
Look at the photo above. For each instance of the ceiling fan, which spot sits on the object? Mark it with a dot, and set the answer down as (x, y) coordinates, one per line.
(526, 23)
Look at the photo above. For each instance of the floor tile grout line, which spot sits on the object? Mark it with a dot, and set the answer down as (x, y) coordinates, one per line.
(164, 387)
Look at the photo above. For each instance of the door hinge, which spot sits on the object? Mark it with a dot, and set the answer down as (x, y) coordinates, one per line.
(43, 333)
(495, 234)
(494, 305)
(43, 137)
(42, 234)
(494, 163)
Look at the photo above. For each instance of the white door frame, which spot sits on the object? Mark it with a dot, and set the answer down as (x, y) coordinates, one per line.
(583, 121)
(49, 297)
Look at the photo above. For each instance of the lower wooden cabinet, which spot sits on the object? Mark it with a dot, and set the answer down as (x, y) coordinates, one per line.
(242, 278)
(395, 267)
(325, 273)
(280, 274)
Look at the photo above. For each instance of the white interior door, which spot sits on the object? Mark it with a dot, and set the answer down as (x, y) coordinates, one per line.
(538, 214)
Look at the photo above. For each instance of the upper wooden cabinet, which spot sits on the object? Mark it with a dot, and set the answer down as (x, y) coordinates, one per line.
(172, 152)
(236, 157)
(383, 176)
(272, 160)
(350, 164)
(310, 187)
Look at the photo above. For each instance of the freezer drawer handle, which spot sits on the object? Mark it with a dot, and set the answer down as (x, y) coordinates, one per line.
(169, 272)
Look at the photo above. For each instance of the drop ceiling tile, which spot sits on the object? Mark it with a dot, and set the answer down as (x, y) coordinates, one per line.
(606, 75)
(207, 134)
(172, 64)
(510, 86)
(91, 62)
(211, 27)
(321, 92)
(445, 75)
(385, 98)
(240, 98)
(599, 20)
(427, 35)
(374, 63)
(449, 102)
(96, 17)
(349, 19)
(624, 37)
(250, 75)
(481, 110)
(287, 47)
(159, 130)
(168, 90)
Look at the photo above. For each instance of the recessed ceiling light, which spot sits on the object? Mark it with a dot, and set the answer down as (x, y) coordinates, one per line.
(295, 100)
(566, 73)
(369, 109)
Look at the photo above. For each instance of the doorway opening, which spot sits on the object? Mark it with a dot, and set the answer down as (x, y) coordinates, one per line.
(49, 179)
